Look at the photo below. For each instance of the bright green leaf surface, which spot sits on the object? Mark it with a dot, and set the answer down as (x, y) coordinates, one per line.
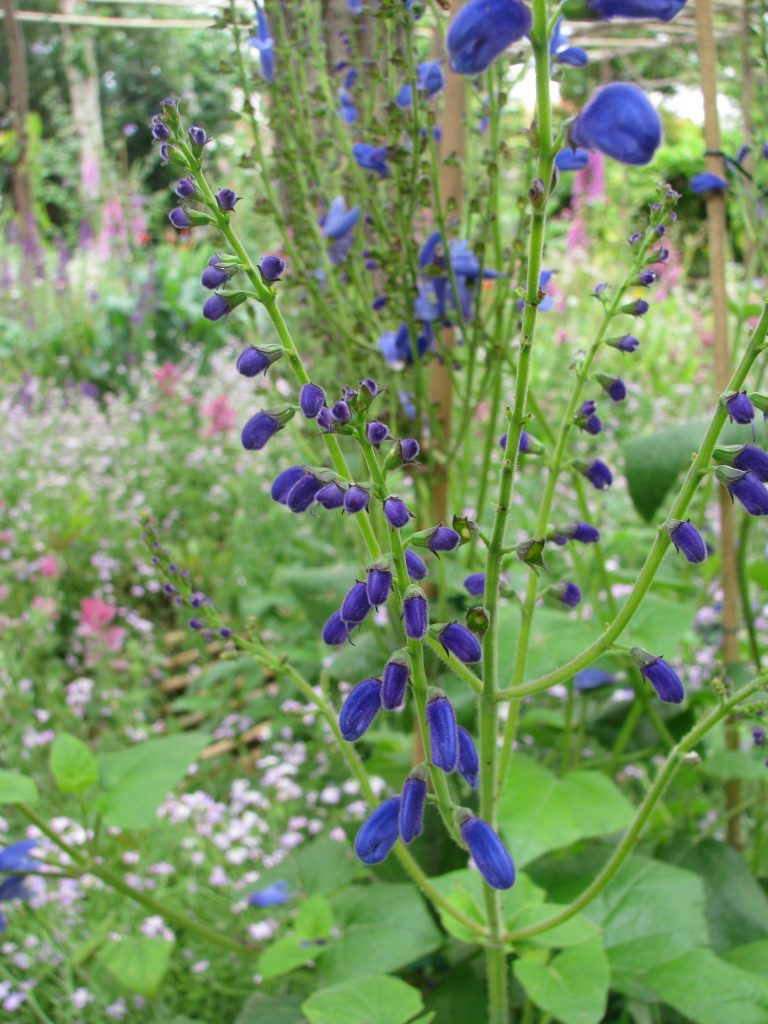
(367, 1000)
(573, 986)
(138, 963)
(73, 766)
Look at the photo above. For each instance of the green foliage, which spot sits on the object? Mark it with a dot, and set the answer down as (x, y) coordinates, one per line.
(17, 789)
(73, 766)
(375, 1000)
(572, 986)
(137, 963)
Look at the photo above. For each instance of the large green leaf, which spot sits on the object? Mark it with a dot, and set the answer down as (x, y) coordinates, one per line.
(315, 918)
(572, 987)
(736, 764)
(286, 954)
(322, 866)
(261, 1008)
(650, 912)
(457, 994)
(73, 766)
(136, 780)
(707, 990)
(555, 636)
(17, 789)
(385, 925)
(540, 812)
(367, 1000)
(660, 625)
(137, 962)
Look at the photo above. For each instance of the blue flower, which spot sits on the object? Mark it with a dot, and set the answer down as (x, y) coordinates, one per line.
(371, 158)
(412, 802)
(706, 182)
(443, 733)
(562, 52)
(474, 584)
(740, 408)
(347, 109)
(620, 122)
(658, 10)
(379, 832)
(429, 79)
(592, 679)
(461, 642)
(416, 566)
(271, 895)
(265, 44)
(571, 159)
(687, 539)
(482, 30)
(359, 709)
(394, 680)
(258, 430)
(747, 488)
(469, 763)
(754, 460)
(660, 675)
(14, 858)
(489, 853)
(338, 225)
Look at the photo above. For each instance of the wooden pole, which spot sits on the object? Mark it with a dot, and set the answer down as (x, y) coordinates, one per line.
(716, 229)
(19, 110)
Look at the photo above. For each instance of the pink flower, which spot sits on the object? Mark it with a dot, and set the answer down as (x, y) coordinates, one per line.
(95, 618)
(221, 415)
(168, 376)
(49, 566)
(46, 605)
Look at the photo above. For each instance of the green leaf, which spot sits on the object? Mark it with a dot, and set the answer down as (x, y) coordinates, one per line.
(707, 990)
(540, 812)
(650, 912)
(138, 963)
(660, 625)
(554, 638)
(371, 1000)
(72, 764)
(136, 780)
(286, 954)
(573, 986)
(736, 764)
(322, 866)
(386, 926)
(17, 789)
(573, 932)
(315, 918)
(653, 463)
(457, 995)
(263, 1009)
(752, 957)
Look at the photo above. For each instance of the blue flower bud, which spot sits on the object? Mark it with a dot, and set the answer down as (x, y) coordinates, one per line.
(413, 799)
(753, 460)
(271, 895)
(379, 832)
(216, 308)
(359, 709)
(415, 614)
(198, 136)
(396, 512)
(657, 10)
(185, 188)
(461, 642)
(226, 198)
(303, 492)
(325, 420)
(253, 361)
(638, 307)
(687, 539)
(409, 449)
(747, 488)
(443, 733)
(311, 400)
(356, 604)
(758, 736)
(335, 631)
(214, 276)
(568, 593)
(330, 496)
(575, 56)
(271, 268)
(614, 387)
(584, 533)
(377, 432)
(660, 675)
(284, 483)
(416, 566)
(394, 681)
(482, 30)
(178, 217)
(370, 387)
(626, 343)
(571, 159)
(488, 852)
(341, 412)
(706, 182)
(160, 131)
(740, 408)
(596, 471)
(258, 430)
(14, 857)
(620, 122)
(371, 158)
(469, 763)
(443, 538)
(379, 584)
(356, 499)
(474, 584)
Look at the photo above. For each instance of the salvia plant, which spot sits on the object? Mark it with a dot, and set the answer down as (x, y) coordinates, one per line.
(424, 323)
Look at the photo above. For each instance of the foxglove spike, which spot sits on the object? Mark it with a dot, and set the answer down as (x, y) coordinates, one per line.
(359, 709)
(394, 681)
(413, 799)
(689, 541)
(443, 733)
(379, 832)
(461, 642)
(469, 762)
(489, 853)
(660, 675)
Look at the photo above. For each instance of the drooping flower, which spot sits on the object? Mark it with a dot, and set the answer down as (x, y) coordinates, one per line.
(284, 483)
(303, 493)
(706, 182)
(396, 512)
(335, 631)
(619, 121)
(568, 593)
(660, 675)
(394, 681)
(482, 30)
(271, 268)
(461, 642)
(688, 540)
(179, 218)
(379, 832)
(253, 361)
(215, 275)
(469, 762)
(226, 199)
(562, 52)
(371, 158)
(442, 538)
(311, 400)
(443, 732)
(356, 605)
(596, 471)
(746, 487)
(474, 584)
(378, 584)
(488, 852)
(752, 459)
(356, 499)
(740, 408)
(259, 429)
(217, 307)
(359, 709)
(330, 496)
(377, 432)
(265, 44)
(572, 159)
(413, 799)
(626, 343)
(415, 614)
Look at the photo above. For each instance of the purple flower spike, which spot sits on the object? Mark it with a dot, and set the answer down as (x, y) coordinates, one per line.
(303, 492)
(226, 198)
(415, 615)
(379, 832)
(740, 408)
(394, 681)
(474, 584)
(178, 217)
(753, 460)
(396, 512)
(311, 400)
(443, 538)
(417, 567)
(356, 499)
(284, 483)
(750, 492)
(341, 412)
(489, 853)
(376, 432)
(356, 605)
(359, 709)
(216, 308)
(469, 763)
(461, 642)
(258, 430)
(271, 268)
(330, 496)
(335, 631)
(620, 122)
(379, 584)
(443, 733)
(413, 800)
(660, 675)
(687, 539)
(482, 30)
